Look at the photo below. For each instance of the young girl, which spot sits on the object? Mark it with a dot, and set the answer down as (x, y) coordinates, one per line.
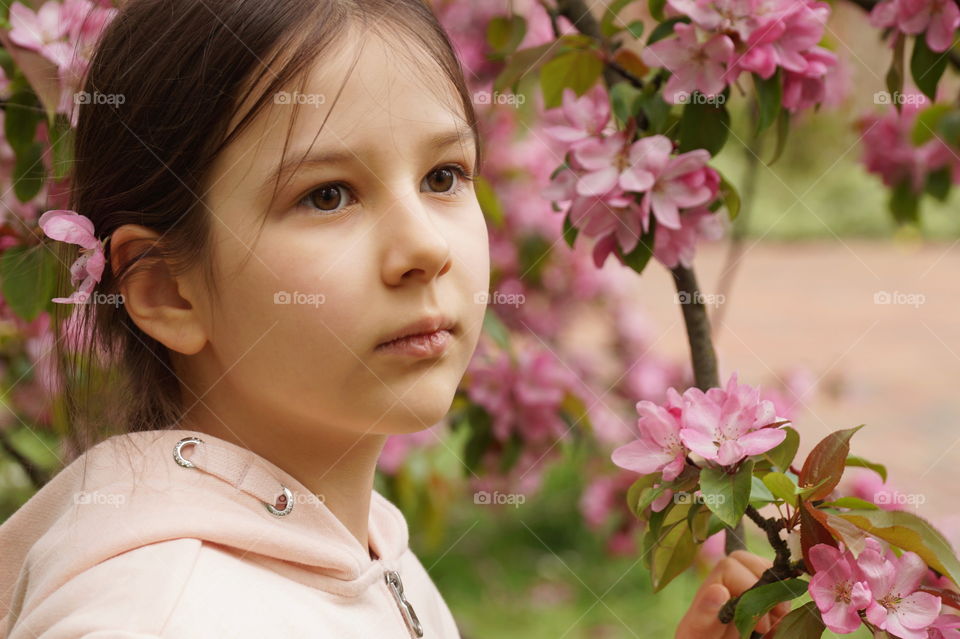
(286, 191)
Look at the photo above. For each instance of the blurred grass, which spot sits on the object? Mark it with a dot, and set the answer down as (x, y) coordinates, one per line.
(818, 188)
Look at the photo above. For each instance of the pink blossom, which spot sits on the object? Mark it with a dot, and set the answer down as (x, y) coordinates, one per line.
(694, 65)
(737, 16)
(727, 425)
(677, 246)
(607, 166)
(889, 152)
(37, 31)
(681, 181)
(583, 117)
(897, 606)
(781, 42)
(659, 447)
(807, 88)
(946, 626)
(939, 19)
(837, 588)
(522, 394)
(86, 271)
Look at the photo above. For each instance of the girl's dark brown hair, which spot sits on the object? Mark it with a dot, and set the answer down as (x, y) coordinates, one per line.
(187, 70)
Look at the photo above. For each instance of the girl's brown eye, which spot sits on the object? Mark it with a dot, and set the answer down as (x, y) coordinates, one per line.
(441, 181)
(327, 198)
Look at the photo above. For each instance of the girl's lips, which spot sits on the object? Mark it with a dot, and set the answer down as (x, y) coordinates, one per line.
(425, 345)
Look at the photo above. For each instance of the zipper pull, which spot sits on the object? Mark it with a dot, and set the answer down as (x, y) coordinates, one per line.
(396, 587)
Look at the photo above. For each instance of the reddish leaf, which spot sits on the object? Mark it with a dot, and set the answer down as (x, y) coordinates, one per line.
(813, 530)
(826, 462)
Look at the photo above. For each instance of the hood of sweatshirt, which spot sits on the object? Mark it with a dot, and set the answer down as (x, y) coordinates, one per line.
(140, 488)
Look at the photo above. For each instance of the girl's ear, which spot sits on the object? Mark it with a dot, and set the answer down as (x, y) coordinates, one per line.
(159, 303)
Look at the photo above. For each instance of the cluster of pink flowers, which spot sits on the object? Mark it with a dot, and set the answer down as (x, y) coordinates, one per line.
(65, 34)
(729, 37)
(614, 186)
(722, 425)
(885, 587)
(938, 19)
(889, 152)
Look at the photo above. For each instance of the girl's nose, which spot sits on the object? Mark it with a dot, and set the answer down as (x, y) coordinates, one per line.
(415, 247)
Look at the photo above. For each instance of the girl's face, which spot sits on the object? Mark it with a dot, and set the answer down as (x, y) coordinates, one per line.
(377, 229)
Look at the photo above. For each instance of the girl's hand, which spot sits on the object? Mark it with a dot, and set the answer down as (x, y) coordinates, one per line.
(731, 576)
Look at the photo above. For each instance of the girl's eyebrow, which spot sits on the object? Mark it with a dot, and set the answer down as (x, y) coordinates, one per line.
(437, 141)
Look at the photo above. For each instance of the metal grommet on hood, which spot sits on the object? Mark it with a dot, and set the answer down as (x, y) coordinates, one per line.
(178, 456)
(284, 503)
(217, 463)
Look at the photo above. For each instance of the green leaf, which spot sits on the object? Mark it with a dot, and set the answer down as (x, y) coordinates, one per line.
(656, 9)
(756, 602)
(608, 24)
(904, 203)
(927, 67)
(939, 182)
(759, 493)
(730, 197)
(783, 130)
(489, 202)
(639, 257)
(927, 122)
(826, 462)
(894, 77)
(948, 128)
(782, 487)
(28, 279)
(569, 231)
(880, 469)
(850, 502)
(625, 99)
(29, 173)
(22, 114)
(656, 110)
(578, 70)
(526, 61)
(782, 456)
(496, 330)
(61, 141)
(505, 33)
(704, 125)
(908, 532)
(769, 94)
(636, 28)
(665, 29)
(726, 494)
(636, 490)
(804, 622)
(673, 549)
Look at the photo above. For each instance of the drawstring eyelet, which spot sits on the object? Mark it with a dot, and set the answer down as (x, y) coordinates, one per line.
(284, 503)
(178, 456)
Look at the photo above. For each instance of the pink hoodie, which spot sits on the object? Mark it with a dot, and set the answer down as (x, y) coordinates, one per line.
(143, 547)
